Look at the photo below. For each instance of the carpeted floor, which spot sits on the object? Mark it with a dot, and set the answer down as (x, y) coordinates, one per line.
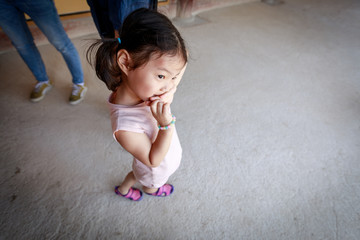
(268, 116)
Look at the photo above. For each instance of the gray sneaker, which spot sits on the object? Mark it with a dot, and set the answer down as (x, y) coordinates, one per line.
(39, 91)
(77, 94)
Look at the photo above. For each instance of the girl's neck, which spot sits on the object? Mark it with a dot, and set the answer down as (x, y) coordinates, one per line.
(124, 96)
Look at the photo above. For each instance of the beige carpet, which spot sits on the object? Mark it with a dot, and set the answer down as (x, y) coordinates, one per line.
(268, 116)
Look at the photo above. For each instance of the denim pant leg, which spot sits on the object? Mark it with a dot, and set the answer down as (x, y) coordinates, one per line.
(122, 8)
(100, 14)
(13, 23)
(45, 15)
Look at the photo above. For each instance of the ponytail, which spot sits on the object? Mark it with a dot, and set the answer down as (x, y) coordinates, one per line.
(105, 62)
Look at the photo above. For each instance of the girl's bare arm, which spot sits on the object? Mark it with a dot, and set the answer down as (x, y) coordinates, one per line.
(140, 146)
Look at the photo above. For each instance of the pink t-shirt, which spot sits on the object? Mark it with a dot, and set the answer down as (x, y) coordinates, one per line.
(139, 119)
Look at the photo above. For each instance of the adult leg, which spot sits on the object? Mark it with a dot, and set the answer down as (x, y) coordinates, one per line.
(100, 14)
(122, 8)
(45, 15)
(13, 23)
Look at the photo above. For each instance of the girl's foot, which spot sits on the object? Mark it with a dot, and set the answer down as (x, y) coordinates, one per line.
(163, 191)
(133, 194)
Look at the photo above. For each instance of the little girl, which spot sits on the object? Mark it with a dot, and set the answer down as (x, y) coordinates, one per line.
(142, 68)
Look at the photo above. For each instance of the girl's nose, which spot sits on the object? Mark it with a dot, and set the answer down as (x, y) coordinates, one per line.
(163, 89)
(166, 88)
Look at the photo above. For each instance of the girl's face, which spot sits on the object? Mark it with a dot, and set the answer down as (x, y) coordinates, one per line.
(156, 77)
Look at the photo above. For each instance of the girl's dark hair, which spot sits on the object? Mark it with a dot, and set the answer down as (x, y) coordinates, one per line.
(144, 33)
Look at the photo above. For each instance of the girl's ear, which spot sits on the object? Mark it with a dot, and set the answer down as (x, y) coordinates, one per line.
(124, 61)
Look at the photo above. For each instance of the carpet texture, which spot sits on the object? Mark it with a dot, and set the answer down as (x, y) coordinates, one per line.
(268, 114)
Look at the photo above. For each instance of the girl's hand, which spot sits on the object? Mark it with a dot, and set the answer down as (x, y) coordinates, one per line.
(165, 97)
(161, 112)
(168, 96)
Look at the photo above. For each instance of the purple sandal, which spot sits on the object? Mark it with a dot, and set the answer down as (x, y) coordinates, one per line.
(134, 194)
(163, 191)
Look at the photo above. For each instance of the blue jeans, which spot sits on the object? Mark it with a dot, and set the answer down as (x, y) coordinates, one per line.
(109, 15)
(44, 14)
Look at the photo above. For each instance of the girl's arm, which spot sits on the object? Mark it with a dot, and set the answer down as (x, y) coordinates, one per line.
(140, 146)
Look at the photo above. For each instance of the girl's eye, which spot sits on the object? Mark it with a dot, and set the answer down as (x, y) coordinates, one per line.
(161, 76)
